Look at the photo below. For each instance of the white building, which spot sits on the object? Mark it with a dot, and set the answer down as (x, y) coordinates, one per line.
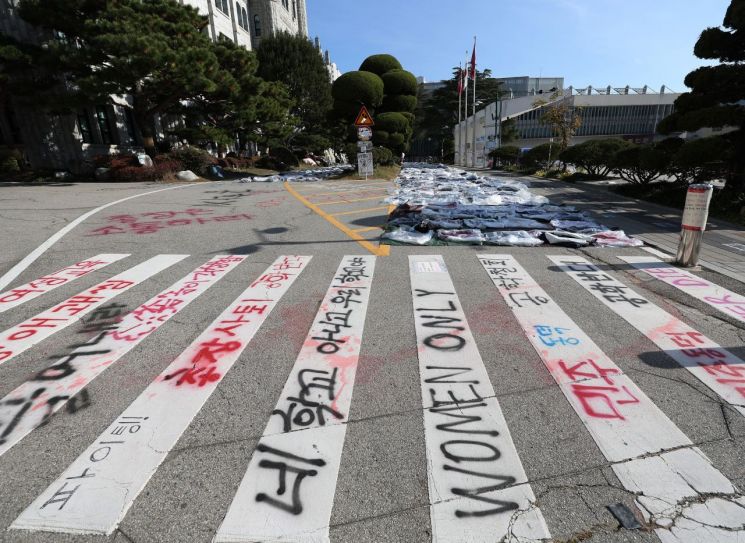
(70, 142)
(628, 113)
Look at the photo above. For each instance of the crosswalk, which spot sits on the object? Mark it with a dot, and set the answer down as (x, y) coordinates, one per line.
(478, 488)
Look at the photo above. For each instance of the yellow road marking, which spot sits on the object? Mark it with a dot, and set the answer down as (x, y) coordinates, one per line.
(355, 211)
(360, 230)
(383, 250)
(348, 201)
(355, 189)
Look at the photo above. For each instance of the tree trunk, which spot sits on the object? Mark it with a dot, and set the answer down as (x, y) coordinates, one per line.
(145, 124)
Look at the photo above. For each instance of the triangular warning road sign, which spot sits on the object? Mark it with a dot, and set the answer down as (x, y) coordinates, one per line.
(364, 118)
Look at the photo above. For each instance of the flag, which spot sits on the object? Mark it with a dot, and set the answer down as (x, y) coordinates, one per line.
(466, 71)
(472, 73)
(460, 80)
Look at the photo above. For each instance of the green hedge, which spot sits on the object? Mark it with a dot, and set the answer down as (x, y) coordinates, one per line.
(355, 88)
(380, 64)
(400, 82)
(392, 122)
(401, 103)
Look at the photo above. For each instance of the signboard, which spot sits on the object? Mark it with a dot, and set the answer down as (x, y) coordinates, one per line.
(365, 164)
(696, 211)
(365, 146)
(364, 118)
(364, 133)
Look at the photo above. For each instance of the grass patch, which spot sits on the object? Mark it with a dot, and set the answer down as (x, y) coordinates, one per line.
(726, 204)
(387, 173)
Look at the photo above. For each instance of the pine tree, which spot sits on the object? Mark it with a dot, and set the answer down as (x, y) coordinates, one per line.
(717, 95)
(153, 50)
(295, 62)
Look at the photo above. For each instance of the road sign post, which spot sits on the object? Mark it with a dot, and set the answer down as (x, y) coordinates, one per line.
(364, 124)
(695, 216)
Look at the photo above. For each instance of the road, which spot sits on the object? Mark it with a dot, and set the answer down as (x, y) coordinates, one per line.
(235, 391)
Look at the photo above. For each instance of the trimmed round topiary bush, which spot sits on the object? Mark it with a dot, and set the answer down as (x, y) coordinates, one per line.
(392, 122)
(380, 64)
(353, 89)
(380, 137)
(400, 82)
(400, 103)
(410, 116)
(397, 140)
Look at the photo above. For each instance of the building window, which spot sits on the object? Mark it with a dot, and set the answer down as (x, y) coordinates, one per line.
(242, 15)
(294, 9)
(129, 123)
(245, 18)
(84, 127)
(257, 26)
(222, 5)
(286, 4)
(104, 124)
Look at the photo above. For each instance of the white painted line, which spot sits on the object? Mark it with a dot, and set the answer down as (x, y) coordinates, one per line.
(151, 426)
(656, 252)
(716, 367)
(16, 270)
(288, 491)
(19, 338)
(674, 480)
(478, 489)
(43, 285)
(740, 247)
(32, 403)
(721, 299)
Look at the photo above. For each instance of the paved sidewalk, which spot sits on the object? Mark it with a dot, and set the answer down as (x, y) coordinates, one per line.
(723, 249)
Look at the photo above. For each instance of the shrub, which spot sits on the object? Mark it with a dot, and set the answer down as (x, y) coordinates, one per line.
(400, 103)
(192, 158)
(381, 137)
(409, 116)
(595, 156)
(382, 156)
(536, 156)
(285, 157)
(507, 154)
(397, 141)
(380, 64)
(400, 82)
(138, 173)
(9, 164)
(392, 122)
(355, 88)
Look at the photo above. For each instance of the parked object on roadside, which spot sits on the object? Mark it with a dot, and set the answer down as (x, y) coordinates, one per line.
(409, 236)
(466, 208)
(567, 239)
(514, 238)
(186, 175)
(616, 238)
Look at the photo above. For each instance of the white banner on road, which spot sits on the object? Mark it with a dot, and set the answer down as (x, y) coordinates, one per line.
(719, 298)
(42, 285)
(288, 490)
(151, 426)
(478, 489)
(16, 340)
(32, 403)
(717, 368)
(678, 489)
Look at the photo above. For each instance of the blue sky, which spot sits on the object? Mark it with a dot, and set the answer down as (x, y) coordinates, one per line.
(588, 42)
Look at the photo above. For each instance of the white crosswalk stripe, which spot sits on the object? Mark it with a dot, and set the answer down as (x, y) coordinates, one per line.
(149, 428)
(651, 456)
(47, 283)
(33, 402)
(16, 340)
(721, 299)
(303, 440)
(477, 484)
(717, 368)
(478, 489)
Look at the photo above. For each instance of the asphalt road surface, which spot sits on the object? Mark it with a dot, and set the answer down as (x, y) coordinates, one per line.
(283, 377)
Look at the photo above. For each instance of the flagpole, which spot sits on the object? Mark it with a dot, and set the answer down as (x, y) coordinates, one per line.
(473, 67)
(460, 102)
(465, 128)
